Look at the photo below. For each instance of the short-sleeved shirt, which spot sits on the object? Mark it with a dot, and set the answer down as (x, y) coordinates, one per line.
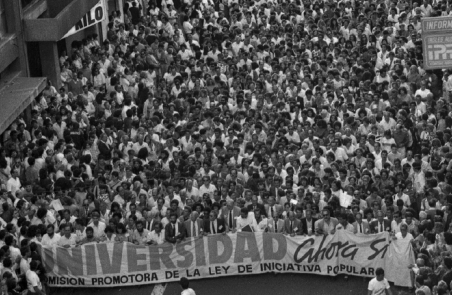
(378, 287)
(33, 281)
(71, 241)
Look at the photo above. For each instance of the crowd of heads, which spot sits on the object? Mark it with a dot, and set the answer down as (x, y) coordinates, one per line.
(189, 109)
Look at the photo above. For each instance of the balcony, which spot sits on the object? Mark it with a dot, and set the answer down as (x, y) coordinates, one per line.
(53, 29)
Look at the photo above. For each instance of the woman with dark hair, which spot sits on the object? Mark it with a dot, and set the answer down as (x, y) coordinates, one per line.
(121, 233)
(322, 129)
(143, 154)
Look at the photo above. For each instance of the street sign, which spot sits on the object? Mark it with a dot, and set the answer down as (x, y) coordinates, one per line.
(437, 42)
(94, 16)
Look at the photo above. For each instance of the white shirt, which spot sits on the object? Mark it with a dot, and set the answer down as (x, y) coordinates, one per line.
(378, 287)
(157, 238)
(71, 241)
(188, 291)
(423, 93)
(405, 198)
(33, 281)
(349, 227)
(13, 185)
(14, 252)
(395, 227)
(340, 154)
(99, 230)
(50, 241)
(210, 190)
(408, 236)
(250, 220)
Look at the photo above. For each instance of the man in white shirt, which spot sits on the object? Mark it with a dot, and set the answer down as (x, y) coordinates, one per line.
(387, 123)
(69, 239)
(379, 285)
(50, 238)
(184, 283)
(246, 218)
(13, 251)
(261, 220)
(338, 152)
(157, 236)
(33, 281)
(343, 223)
(97, 225)
(293, 136)
(194, 225)
(207, 188)
(423, 92)
(137, 146)
(13, 184)
(404, 234)
(401, 196)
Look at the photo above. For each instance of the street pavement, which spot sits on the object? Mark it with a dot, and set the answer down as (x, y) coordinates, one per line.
(263, 284)
(269, 284)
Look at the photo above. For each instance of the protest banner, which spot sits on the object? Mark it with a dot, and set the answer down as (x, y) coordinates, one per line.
(113, 264)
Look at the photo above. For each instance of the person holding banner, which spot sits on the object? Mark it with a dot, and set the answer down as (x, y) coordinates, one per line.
(327, 225)
(214, 225)
(174, 230)
(381, 224)
(343, 223)
(68, 239)
(140, 236)
(157, 236)
(308, 223)
(246, 221)
(97, 225)
(292, 225)
(89, 238)
(194, 225)
(261, 220)
(50, 238)
(361, 226)
(230, 213)
(275, 224)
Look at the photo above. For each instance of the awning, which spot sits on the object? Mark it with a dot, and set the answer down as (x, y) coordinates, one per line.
(15, 96)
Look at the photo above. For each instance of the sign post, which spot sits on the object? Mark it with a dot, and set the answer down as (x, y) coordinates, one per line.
(437, 42)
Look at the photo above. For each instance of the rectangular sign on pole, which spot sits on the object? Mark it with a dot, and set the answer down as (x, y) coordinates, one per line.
(126, 264)
(437, 42)
(97, 14)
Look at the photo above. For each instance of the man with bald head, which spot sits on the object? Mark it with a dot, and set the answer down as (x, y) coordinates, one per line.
(137, 146)
(194, 226)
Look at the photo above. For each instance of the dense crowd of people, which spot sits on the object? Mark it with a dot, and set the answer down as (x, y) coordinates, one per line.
(204, 117)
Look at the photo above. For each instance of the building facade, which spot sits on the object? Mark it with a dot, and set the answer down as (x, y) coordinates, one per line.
(29, 34)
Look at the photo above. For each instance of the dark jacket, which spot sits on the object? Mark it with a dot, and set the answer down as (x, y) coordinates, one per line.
(170, 233)
(304, 224)
(221, 228)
